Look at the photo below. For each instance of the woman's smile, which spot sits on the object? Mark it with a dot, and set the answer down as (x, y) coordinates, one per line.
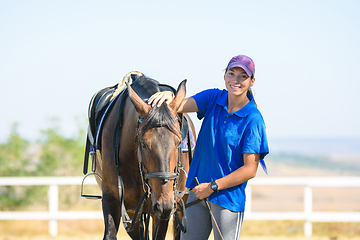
(235, 86)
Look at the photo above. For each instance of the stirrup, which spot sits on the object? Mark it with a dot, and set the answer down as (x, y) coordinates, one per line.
(94, 197)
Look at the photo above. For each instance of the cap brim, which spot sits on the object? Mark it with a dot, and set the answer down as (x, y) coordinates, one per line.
(235, 64)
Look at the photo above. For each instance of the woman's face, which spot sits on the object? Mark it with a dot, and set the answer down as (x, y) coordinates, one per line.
(237, 81)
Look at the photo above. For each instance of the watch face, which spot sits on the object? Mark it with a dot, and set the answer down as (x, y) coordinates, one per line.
(214, 186)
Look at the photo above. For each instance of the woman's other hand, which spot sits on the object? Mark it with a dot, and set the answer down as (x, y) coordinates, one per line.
(160, 97)
(203, 190)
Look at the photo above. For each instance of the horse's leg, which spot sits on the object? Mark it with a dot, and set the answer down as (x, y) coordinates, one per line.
(163, 226)
(176, 228)
(111, 211)
(135, 233)
(110, 196)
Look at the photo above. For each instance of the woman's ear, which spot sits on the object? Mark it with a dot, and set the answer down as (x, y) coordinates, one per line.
(252, 81)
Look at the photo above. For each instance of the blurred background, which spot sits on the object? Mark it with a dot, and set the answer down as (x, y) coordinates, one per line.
(54, 55)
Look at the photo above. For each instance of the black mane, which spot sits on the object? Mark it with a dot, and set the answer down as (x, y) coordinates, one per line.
(157, 116)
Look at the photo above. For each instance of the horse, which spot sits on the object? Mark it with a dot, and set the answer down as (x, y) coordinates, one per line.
(146, 161)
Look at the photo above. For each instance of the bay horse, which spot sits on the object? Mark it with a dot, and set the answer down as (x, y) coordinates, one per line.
(145, 162)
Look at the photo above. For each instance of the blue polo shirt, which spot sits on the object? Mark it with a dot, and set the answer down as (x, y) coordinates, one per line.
(222, 140)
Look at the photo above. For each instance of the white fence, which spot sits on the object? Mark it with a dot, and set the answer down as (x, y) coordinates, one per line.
(308, 214)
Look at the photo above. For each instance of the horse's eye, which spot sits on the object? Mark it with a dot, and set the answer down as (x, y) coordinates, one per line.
(143, 145)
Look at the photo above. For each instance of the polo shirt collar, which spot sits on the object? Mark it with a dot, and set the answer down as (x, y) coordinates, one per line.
(222, 101)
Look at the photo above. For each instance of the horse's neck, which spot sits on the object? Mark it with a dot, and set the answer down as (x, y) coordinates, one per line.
(130, 124)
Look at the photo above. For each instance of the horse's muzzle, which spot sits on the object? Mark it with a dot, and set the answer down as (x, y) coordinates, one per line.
(164, 209)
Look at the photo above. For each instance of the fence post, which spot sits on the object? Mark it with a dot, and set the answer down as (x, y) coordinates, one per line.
(53, 195)
(308, 211)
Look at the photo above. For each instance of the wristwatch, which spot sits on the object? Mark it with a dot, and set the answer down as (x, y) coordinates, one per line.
(214, 186)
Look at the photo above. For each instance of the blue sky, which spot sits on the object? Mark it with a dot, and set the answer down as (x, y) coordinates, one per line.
(54, 55)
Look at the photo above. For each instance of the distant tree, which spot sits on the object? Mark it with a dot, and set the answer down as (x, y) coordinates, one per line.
(52, 155)
(61, 155)
(13, 158)
(15, 161)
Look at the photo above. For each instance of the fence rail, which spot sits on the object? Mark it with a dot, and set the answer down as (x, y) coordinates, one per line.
(53, 214)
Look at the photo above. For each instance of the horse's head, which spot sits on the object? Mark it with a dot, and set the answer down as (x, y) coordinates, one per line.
(159, 138)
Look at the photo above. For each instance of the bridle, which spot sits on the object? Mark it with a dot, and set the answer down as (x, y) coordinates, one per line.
(164, 176)
(145, 176)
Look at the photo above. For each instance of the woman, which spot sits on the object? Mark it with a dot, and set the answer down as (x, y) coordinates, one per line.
(231, 143)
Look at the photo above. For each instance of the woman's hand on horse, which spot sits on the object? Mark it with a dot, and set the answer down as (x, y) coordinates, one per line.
(160, 97)
(203, 190)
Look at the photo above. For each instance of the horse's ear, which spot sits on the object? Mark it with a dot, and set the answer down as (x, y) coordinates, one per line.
(179, 97)
(141, 107)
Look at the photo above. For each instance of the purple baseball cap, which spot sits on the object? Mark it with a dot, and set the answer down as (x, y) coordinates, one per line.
(244, 62)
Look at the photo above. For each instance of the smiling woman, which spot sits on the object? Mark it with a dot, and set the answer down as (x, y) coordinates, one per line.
(238, 84)
(239, 79)
(231, 143)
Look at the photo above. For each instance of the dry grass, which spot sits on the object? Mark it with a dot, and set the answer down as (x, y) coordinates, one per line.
(295, 229)
(93, 229)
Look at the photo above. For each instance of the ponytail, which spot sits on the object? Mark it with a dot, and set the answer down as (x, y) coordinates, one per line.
(251, 92)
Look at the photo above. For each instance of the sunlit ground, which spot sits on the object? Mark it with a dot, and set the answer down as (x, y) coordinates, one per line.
(262, 230)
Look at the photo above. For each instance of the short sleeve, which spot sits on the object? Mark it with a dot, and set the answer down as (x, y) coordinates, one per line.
(255, 139)
(204, 100)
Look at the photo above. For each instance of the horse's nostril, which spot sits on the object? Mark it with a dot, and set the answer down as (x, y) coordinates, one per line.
(157, 208)
(163, 212)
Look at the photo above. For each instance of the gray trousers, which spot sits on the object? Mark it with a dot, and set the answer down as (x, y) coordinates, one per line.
(200, 222)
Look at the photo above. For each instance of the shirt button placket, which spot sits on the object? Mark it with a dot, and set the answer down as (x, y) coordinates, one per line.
(225, 118)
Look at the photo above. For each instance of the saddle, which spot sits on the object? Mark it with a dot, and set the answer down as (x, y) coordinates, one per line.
(97, 106)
